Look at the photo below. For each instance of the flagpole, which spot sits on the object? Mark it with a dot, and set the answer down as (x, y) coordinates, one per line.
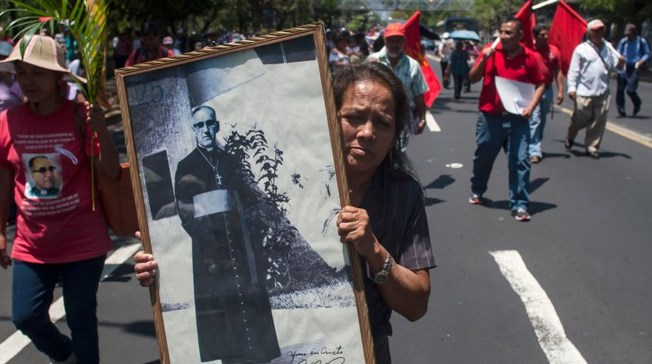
(495, 43)
(542, 4)
(611, 48)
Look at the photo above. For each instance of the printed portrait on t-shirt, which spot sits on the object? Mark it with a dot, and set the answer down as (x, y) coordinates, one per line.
(43, 175)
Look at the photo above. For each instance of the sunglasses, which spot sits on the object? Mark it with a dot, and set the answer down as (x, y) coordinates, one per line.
(44, 169)
(201, 124)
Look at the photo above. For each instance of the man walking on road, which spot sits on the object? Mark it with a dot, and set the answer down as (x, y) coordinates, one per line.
(445, 50)
(151, 47)
(409, 72)
(552, 60)
(636, 51)
(588, 86)
(459, 68)
(495, 128)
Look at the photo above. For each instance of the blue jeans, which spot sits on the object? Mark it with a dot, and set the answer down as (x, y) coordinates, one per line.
(627, 82)
(538, 122)
(32, 294)
(408, 129)
(511, 133)
(458, 80)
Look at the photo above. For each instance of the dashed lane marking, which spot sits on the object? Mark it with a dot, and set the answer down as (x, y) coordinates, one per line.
(432, 123)
(543, 317)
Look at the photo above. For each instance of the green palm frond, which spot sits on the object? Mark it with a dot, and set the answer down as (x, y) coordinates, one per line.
(86, 22)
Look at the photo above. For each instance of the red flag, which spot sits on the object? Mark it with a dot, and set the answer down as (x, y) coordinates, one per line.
(413, 49)
(526, 16)
(566, 32)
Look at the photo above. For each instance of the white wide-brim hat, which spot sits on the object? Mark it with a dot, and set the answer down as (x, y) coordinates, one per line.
(41, 51)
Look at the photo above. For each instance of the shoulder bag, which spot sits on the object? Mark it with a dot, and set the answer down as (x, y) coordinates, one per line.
(116, 195)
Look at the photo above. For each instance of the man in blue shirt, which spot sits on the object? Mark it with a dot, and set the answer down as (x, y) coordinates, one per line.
(636, 51)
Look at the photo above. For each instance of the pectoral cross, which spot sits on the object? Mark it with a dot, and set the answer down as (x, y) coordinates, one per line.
(218, 179)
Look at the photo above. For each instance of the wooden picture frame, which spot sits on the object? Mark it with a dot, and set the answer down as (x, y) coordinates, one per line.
(242, 224)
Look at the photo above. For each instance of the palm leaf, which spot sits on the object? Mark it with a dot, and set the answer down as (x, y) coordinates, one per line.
(86, 22)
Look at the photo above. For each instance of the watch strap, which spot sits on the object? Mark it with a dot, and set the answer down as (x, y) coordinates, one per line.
(383, 274)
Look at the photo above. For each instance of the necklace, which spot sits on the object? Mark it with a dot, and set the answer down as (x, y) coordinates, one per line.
(218, 178)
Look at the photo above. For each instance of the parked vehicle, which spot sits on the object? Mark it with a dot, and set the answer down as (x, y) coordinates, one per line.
(428, 44)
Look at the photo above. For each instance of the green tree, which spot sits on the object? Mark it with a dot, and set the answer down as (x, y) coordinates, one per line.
(618, 11)
(490, 13)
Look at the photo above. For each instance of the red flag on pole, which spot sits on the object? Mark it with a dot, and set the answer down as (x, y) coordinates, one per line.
(414, 49)
(526, 16)
(566, 32)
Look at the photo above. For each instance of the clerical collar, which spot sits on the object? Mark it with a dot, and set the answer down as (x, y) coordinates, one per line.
(205, 151)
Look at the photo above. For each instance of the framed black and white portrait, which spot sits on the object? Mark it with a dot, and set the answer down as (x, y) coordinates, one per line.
(237, 169)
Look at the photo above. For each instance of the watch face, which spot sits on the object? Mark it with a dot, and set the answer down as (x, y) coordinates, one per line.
(381, 277)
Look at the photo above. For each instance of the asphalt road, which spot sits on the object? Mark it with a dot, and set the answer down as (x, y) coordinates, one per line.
(570, 286)
(587, 249)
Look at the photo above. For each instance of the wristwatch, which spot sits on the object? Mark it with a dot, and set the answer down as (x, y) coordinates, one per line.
(381, 277)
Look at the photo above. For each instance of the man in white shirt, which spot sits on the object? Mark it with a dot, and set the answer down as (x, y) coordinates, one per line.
(588, 86)
(445, 49)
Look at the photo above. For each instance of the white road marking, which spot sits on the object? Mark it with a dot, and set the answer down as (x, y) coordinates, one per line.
(617, 129)
(432, 123)
(430, 120)
(15, 343)
(543, 317)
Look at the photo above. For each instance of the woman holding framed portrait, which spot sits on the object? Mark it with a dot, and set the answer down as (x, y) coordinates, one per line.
(394, 248)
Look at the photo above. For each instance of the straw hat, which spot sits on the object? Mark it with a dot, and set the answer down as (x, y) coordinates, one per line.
(42, 51)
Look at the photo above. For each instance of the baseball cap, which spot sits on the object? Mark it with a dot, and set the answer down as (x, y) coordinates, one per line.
(595, 24)
(41, 51)
(630, 29)
(394, 29)
(168, 40)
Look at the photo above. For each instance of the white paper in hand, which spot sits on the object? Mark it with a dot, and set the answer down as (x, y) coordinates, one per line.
(514, 95)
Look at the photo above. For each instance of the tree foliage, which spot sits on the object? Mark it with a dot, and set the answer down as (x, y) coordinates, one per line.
(201, 17)
(491, 12)
(261, 16)
(618, 11)
(214, 16)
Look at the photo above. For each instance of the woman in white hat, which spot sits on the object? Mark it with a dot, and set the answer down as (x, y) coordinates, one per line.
(59, 237)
